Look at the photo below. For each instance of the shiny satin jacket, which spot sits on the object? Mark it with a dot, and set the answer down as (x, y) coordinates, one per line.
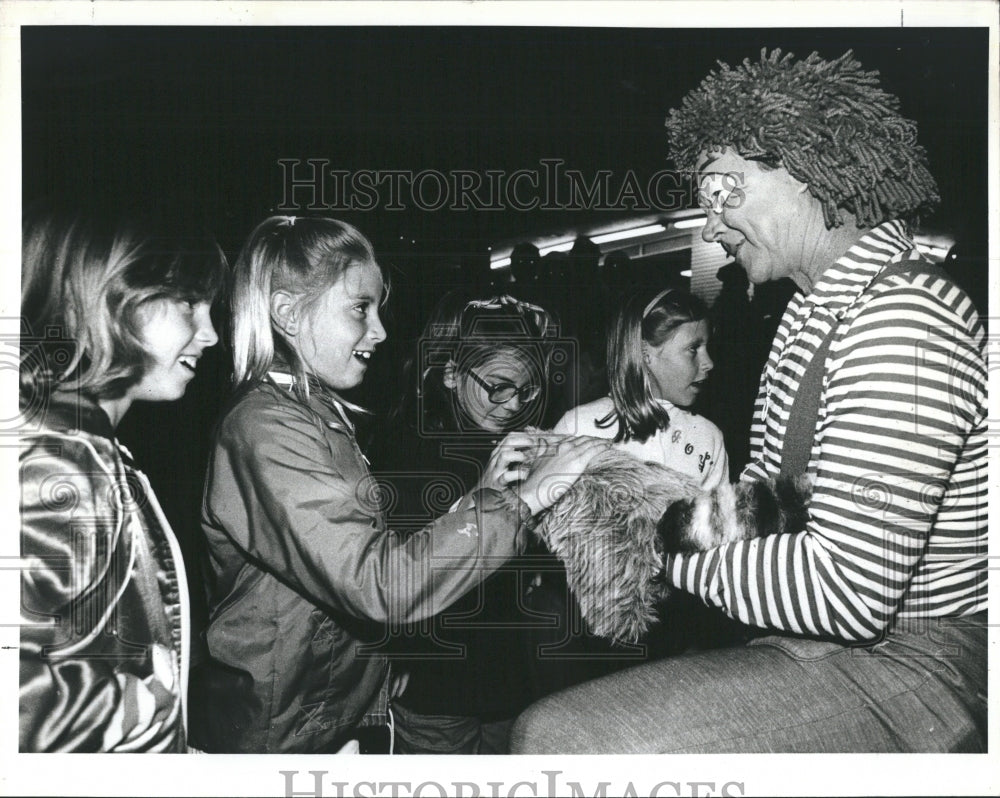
(303, 573)
(103, 657)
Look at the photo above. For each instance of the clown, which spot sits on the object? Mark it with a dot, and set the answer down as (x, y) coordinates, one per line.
(875, 392)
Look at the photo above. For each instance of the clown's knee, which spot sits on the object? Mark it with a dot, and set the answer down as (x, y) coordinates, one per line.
(525, 734)
(540, 729)
(556, 724)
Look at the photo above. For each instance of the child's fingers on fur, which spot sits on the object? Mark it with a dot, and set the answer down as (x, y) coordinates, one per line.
(496, 476)
(517, 440)
(505, 466)
(541, 446)
(545, 443)
(529, 445)
(516, 474)
(516, 471)
(503, 460)
(513, 456)
(552, 475)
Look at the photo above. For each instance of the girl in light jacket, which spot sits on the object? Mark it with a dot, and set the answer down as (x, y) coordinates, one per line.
(111, 315)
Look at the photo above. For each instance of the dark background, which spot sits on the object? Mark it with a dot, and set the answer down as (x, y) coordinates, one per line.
(203, 114)
(200, 116)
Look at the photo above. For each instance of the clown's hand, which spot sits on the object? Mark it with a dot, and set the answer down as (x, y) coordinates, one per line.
(735, 512)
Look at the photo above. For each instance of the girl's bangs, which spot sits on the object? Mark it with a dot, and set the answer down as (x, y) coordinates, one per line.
(194, 273)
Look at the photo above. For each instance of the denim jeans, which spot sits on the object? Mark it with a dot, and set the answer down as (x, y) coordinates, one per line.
(922, 689)
(418, 733)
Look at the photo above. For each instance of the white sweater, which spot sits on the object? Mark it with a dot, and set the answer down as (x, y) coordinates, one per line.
(691, 444)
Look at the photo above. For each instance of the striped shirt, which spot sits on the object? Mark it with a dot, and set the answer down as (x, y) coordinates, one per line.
(898, 518)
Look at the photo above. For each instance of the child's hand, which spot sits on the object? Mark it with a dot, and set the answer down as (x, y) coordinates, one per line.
(510, 461)
(558, 461)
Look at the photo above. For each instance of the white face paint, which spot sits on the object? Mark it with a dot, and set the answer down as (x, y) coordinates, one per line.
(760, 216)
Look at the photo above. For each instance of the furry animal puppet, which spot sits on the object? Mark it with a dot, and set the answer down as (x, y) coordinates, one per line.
(612, 528)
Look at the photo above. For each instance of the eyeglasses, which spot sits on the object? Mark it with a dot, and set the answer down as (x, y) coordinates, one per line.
(505, 391)
(720, 190)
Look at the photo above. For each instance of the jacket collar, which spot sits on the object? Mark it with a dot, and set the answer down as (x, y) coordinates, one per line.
(70, 411)
(321, 398)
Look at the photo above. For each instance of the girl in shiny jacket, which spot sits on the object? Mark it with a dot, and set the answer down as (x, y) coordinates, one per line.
(110, 315)
(303, 572)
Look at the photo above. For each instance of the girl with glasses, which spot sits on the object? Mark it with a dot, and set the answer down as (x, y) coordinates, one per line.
(481, 366)
(478, 370)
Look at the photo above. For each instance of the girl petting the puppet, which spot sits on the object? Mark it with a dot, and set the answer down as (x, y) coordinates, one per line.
(657, 364)
(111, 315)
(303, 571)
(478, 370)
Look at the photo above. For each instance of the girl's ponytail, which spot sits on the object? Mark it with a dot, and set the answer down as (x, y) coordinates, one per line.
(252, 334)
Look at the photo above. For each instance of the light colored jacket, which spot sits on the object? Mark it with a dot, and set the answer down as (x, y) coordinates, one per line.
(104, 635)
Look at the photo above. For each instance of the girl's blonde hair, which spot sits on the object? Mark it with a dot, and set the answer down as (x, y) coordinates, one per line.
(84, 277)
(301, 255)
(643, 320)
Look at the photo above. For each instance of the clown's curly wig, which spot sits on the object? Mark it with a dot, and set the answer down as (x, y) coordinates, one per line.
(828, 123)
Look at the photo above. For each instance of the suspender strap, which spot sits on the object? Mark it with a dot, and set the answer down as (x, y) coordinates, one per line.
(803, 416)
(796, 446)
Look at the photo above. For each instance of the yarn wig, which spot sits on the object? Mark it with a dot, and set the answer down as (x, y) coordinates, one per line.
(829, 123)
